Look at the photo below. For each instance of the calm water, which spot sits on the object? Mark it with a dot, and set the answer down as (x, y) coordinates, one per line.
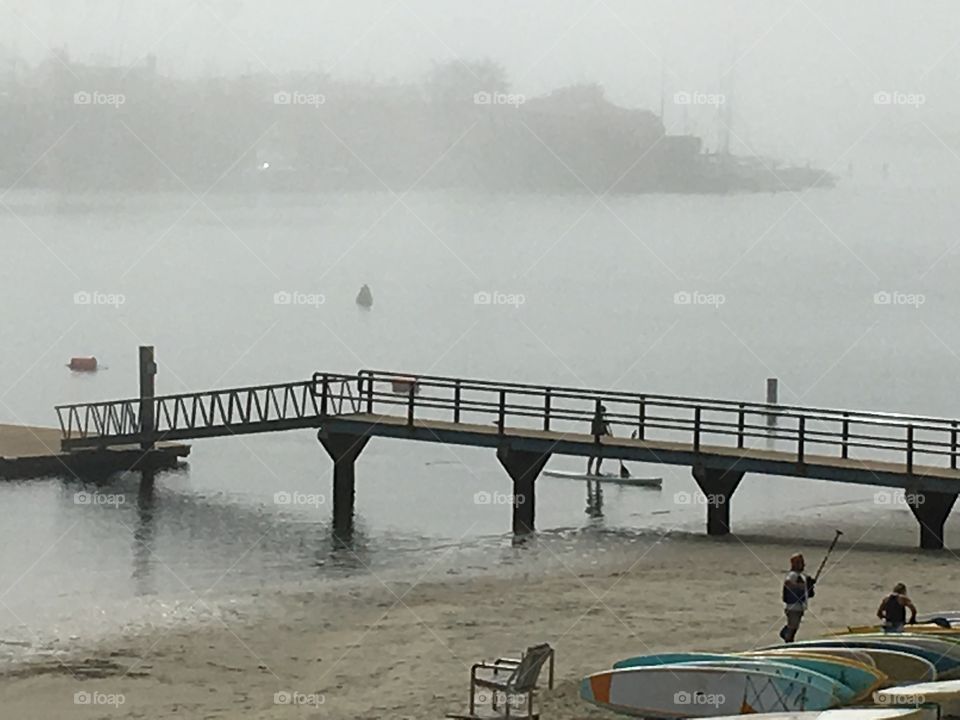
(598, 282)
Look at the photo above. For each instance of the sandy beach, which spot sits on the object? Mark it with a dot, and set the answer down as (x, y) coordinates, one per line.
(404, 649)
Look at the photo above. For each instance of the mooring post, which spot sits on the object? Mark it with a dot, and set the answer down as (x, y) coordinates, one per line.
(717, 487)
(931, 510)
(344, 451)
(148, 374)
(773, 394)
(523, 467)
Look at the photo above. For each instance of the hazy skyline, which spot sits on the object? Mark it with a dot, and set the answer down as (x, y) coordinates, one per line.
(802, 76)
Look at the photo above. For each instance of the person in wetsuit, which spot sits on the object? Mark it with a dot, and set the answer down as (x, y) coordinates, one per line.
(893, 609)
(798, 588)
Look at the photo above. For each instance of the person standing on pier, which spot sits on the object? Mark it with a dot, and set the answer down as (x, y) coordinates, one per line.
(598, 427)
(798, 588)
(893, 609)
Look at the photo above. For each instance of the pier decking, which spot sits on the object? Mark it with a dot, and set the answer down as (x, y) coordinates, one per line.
(29, 452)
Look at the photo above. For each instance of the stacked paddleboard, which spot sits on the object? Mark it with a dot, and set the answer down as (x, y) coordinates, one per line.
(809, 680)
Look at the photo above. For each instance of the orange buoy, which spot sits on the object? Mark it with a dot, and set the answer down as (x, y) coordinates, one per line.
(83, 364)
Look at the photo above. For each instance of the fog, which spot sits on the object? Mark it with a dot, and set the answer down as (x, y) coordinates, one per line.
(802, 76)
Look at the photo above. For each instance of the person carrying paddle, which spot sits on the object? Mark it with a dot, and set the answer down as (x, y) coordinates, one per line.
(893, 610)
(798, 588)
(598, 427)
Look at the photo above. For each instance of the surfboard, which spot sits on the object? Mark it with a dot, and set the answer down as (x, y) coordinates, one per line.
(932, 692)
(923, 628)
(607, 478)
(898, 666)
(947, 648)
(850, 653)
(856, 683)
(684, 691)
(844, 714)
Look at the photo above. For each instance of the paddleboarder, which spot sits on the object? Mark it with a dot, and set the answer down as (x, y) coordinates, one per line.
(598, 427)
(893, 610)
(798, 588)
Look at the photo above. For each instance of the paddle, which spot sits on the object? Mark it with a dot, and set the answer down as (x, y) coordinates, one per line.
(829, 550)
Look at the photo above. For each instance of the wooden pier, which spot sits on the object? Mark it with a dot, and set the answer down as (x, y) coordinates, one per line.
(32, 452)
(720, 441)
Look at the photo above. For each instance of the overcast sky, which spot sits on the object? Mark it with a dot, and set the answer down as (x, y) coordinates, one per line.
(802, 74)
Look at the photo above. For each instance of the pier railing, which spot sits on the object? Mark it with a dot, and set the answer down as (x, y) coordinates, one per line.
(245, 410)
(700, 425)
(697, 423)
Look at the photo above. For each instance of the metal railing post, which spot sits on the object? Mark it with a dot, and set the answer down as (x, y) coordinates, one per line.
(953, 445)
(741, 423)
(801, 432)
(642, 419)
(502, 416)
(411, 394)
(845, 449)
(325, 391)
(696, 429)
(910, 449)
(456, 401)
(546, 409)
(369, 381)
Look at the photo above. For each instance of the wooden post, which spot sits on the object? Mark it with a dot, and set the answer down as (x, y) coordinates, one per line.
(148, 374)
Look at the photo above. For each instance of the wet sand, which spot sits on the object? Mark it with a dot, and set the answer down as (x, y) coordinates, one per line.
(404, 650)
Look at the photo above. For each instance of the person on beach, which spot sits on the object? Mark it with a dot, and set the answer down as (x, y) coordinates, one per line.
(798, 588)
(598, 427)
(893, 609)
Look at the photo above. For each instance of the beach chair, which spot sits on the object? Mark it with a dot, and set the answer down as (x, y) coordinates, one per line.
(509, 680)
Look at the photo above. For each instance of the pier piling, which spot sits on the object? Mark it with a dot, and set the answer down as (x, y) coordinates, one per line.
(718, 487)
(931, 510)
(344, 451)
(523, 467)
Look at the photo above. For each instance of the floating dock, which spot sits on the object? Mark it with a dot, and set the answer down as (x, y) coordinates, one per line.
(33, 452)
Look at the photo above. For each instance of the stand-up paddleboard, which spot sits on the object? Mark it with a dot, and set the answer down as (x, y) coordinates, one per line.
(947, 649)
(609, 478)
(857, 681)
(898, 666)
(943, 691)
(941, 662)
(845, 714)
(847, 653)
(922, 628)
(685, 691)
